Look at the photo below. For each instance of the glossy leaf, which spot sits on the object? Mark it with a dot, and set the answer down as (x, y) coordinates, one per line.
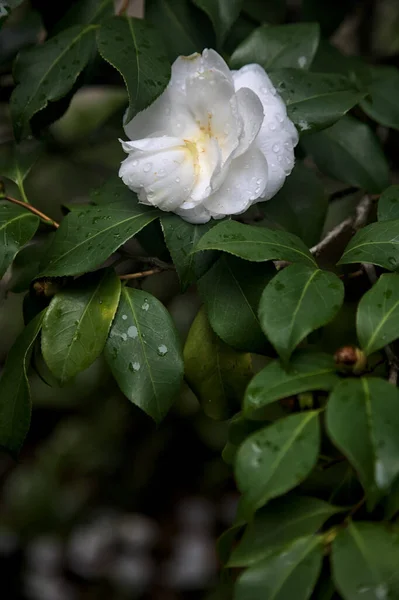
(231, 291)
(279, 46)
(255, 243)
(86, 238)
(222, 13)
(181, 238)
(15, 406)
(277, 525)
(47, 72)
(17, 226)
(18, 163)
(314, 100)
(180, 25)
(350, 152)
(77, 323)
(86, 12)
(289, 573)
(377, 244)
(144, 354)
(369, 405)
(365, 559)
(275, 459)
(298, 300)
(388, 204)
(377, 321)
(381, 101)
(300, 207)
(307, 371)
(134, 48)
(216, 373)
(272, 11)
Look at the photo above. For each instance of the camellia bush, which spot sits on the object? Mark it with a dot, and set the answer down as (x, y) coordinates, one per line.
(258, 168)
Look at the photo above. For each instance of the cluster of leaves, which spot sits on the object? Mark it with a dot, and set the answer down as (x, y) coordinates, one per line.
(270, 294)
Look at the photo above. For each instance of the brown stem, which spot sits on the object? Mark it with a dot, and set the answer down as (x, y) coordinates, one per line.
(354, 223)
(142, 274)
(123, 8)
(33, 210)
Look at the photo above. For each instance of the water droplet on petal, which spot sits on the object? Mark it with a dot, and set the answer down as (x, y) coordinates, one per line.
(135, 163)
(177, 179)
(272, 126)
(276, 148)
(147, 167)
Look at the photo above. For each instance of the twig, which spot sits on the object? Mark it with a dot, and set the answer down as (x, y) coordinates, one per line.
(33, 210)
(123, 8)
(354, 223)
(142, 274)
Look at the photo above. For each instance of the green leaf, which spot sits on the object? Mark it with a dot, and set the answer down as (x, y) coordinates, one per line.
(222, 13)
(217, 374)
(377, 321)
(17, 226)
(307, 371)
(391, 504)
(315, 100)
(388, 204)
(231, 291)
(47, 72)
(182, 26)
(272, 11)
(77, 323)
(86, 238)
(280, 523)
(135, 49)
(365, 558)
(378, 244)
(274, 460)
(381, 102)
(300, 207)
(298, 300)
(254, 243)
(363, 422)
(350, 152)
(86, 12)
(144, 354)
(25, 266)
(181, 237)
(288, 574)
(279, 46)
(15, 406)
(17, 164)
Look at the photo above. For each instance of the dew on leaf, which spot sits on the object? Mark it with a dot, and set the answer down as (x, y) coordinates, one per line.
(132, 332)
(162, 350)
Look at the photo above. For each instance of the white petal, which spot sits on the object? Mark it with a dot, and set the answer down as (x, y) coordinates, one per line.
(152, 144)
(211, 99)
(245, 183)
(255, 78)
(164, 178)
(251, 112)
(197, 215)
(208, 162)
(196, 64)
(163, 117)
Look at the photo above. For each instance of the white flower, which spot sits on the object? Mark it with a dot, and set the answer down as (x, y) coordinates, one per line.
(215, 142)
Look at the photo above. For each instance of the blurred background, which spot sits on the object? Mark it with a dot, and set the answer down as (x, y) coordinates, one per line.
(101, 504)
